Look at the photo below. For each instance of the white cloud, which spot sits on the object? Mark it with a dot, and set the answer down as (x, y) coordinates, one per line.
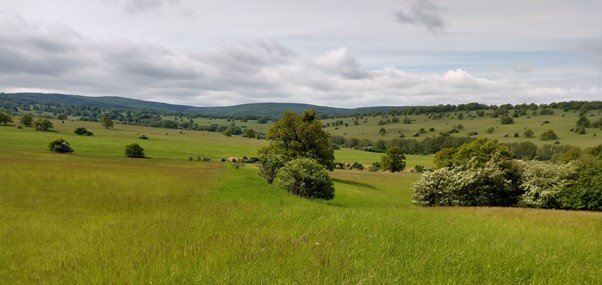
(56, 58)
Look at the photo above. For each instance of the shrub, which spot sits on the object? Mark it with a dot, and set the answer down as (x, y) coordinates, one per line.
(60, 146)
(356, 166)
(5, 119)
(82, 132)
(483, 186)
(107, 122)
(26, 120)
(586, 193)
(249, 133)
(543, 182)
(374, 167)
(528, 133)
(143, 137)
(270, 161)
(548, 135)
(506, 120)
(305, 177)
(134, 150)
(43, 125)
(419, 168)
(393, 160)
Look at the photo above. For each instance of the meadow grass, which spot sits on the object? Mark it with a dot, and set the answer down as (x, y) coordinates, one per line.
(97, 217)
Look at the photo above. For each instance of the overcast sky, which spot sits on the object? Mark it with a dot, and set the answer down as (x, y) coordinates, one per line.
(338, 53)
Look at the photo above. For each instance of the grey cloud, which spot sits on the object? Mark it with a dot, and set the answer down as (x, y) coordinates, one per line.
(425, 13)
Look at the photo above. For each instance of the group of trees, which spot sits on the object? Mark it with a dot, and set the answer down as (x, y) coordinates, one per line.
(299, 156)
(483, 173)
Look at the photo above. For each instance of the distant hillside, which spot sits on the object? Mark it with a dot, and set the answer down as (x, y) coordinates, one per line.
(271, 110)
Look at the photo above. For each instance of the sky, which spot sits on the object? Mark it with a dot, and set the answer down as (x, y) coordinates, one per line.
(348, 53)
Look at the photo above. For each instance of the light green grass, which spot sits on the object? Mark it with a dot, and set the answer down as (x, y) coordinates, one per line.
(97, 217)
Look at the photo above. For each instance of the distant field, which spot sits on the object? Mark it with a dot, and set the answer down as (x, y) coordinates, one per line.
(561, 125)
(97, 217)
(561, 122)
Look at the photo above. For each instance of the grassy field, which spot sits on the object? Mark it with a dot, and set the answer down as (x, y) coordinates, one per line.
(97, 217)
(561, 122)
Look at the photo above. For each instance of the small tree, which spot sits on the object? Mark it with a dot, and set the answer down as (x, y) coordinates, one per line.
(43, 125)
(82, 132)
(548, 135)
(5, 119)
(382, 131)
(583, 121)
(307, 178)
(134, 150)
(393, 160)
(26, 120)
(60, 146)
(506, 120)
(249, 133)
(107, 122)
(528, 133)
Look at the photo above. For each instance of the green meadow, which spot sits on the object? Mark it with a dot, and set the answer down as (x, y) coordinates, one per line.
(95, 216)
(561, 122)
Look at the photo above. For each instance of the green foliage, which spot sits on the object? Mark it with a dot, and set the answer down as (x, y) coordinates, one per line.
(583, 121)
(393, 160)
(548, 135)
(271, 159)
(506, 120)
(82, 132)
(419, 168)
(586, 193)
(543, 182)
(302, 135)
(475, 174)
(249, 133)
(60, 146)
(528, 133)
(107, 122)
(134, 150)
(5, 119)
(26, 120)
(487, 185)
(305, 177)
(43, 125)
(525, 150)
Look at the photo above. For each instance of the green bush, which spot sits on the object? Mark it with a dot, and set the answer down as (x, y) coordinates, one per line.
(43, 125)
(305, 177)
(5, 119)
(506, 120)
(482, 186)
(26, 120)
(393, 160)
(548, 135)
(82, 132)
(586, 193)
(543, 183)
(134, 150)
(60, 146)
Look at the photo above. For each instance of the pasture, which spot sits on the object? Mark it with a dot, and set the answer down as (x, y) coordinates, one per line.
(97, 217)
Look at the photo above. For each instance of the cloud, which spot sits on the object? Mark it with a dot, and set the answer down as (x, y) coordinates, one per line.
(56, 58)
(425, 13)
(135, 6)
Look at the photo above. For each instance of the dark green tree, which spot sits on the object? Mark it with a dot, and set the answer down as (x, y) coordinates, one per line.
(393, 160)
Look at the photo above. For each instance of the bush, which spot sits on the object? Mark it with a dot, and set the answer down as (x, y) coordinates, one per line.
(528, 133)
(305, 177)
(483, 186)
(26, 120)
(419, 168)
(5, 119)
(43, 125)
(548, 135)
(506, 120)
(82, 132)
(586, 193)
(60, 146)
(143, 137)
(393, 160)
(543, 182)
(134, 150)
